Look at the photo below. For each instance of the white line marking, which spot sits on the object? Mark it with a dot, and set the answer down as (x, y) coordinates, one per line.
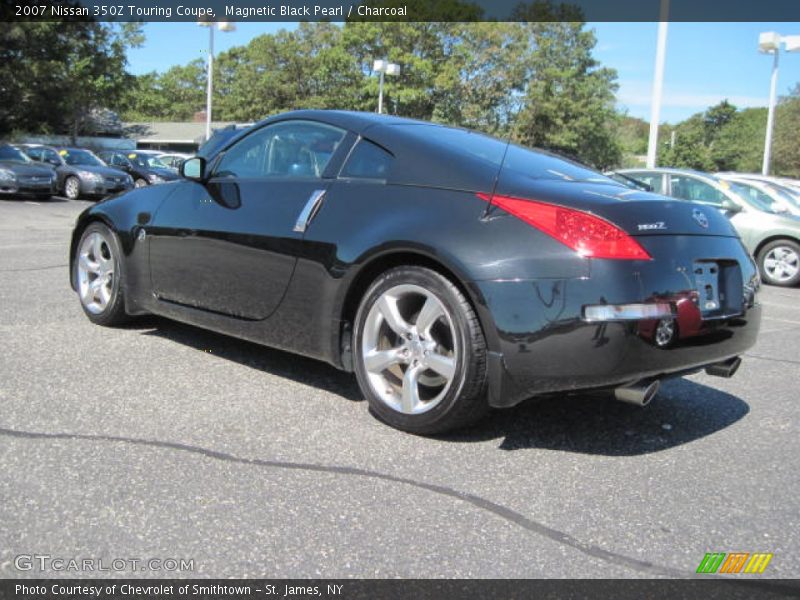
(781, 320)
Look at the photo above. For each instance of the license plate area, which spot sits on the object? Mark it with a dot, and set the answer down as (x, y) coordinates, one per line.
(706, 279)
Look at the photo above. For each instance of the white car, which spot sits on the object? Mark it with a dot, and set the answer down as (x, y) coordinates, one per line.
(173, 160)
(781, 198)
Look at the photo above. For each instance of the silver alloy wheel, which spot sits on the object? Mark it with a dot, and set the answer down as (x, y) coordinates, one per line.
(95, 272)
(140, 183)
(72, 188)
(410, 349)
(665, 331)
(782, 263)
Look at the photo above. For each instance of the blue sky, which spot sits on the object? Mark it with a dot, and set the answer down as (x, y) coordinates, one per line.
(706, 62)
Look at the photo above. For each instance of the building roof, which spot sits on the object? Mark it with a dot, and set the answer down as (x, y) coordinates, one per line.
(171, 132)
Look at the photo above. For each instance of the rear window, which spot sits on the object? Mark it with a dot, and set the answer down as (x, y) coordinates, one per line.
(543, 165)
(476, 145)
(368, 161)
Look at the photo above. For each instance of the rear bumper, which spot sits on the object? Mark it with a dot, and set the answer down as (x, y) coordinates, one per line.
(543, 344)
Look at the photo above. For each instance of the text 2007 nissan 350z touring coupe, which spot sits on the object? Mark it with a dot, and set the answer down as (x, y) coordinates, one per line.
(451, 271)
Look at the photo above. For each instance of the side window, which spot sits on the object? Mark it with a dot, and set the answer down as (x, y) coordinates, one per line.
(295, 149)
(34, 153)
(119, 160)
(51, 156)
(367, 161)
(654, 180)
(689, 188)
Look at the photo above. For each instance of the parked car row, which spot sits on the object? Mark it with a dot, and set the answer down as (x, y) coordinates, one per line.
(40, 171)
(765, 211)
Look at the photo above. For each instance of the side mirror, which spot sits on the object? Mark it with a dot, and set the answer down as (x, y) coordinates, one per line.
(194, 168)
(778, 208)
(731, 206)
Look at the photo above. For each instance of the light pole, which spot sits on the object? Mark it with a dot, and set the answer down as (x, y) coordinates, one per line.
(770, 43)
(223, 26)
(658, 84)
(384, 67)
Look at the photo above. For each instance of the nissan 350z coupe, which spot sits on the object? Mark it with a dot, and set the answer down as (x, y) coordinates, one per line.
(451, 271)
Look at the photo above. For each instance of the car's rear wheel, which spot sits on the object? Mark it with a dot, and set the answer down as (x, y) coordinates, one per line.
(72, 188)
(420, 353)
(98, 276)
(779, 263)
(140, 183)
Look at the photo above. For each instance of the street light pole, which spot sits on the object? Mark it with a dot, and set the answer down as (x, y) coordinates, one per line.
(210, 80)
(223, 26)
(658, 84)
(769, 42)
(773, 93)
(380, 93)
(383, 67)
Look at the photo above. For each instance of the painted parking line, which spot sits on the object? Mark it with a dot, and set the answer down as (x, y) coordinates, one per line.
(780, 320)
(778, 305)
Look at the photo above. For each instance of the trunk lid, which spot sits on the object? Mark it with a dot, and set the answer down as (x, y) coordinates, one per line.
(542, 177)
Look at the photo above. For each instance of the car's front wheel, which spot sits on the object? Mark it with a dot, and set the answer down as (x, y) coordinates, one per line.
(72, 188)
(779, 263)
(420, 353)
(98, 276)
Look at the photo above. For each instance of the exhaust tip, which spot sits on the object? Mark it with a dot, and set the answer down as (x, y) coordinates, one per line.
(639, 393)
(726, 368)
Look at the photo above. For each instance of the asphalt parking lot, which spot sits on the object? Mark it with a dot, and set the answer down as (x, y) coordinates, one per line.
(160, 440)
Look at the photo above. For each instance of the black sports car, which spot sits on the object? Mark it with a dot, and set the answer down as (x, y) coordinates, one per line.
(20, 176)
(144, 166)
(449, 270)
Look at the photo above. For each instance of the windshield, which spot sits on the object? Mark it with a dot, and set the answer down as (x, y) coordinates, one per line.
(753, 196)
(786, 194)
(81, 158)
(148, 161)
(11, 153)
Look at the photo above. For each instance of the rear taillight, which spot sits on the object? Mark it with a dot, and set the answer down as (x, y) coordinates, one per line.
(586, 234)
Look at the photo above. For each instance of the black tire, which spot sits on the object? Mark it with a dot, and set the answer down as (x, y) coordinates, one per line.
(769, 251)
(114, 312)
(465, 402)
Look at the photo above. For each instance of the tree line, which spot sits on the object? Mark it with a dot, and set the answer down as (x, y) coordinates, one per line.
(537, 83)
(724, 138)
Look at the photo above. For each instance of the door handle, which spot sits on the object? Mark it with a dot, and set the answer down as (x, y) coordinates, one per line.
(309, 210)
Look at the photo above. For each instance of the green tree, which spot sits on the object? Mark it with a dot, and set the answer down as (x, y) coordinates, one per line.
(739, 146)
(786, 149)
(569, 100)
(716, 118)
(690, 150)
(56, 74)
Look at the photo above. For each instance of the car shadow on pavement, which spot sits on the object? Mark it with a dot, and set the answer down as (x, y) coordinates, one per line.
(275, 362)
(682, 412)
